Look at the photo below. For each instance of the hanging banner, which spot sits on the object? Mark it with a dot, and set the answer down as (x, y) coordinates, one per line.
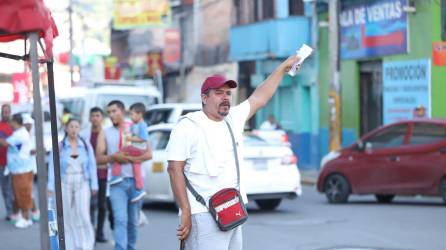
(172, 47)
(20, 87)
(439, 53)
(373, 29)
(130, 14)
(112, 70)
(406, 90)
(154, 63)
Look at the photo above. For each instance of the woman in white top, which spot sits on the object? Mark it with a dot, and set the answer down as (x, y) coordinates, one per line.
(79, 182)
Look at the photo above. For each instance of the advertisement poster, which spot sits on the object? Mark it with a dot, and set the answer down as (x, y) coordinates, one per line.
(130, 14)
(439, 53)
(406, 90)
(172, 47)
(373, 29)
(21, 87)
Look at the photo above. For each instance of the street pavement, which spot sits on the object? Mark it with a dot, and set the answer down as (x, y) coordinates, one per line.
(306, 223)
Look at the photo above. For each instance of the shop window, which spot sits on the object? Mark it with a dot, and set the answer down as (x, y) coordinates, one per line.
(296, 7)
(263, 9)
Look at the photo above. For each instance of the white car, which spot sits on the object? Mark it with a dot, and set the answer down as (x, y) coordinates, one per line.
(273, 136)
(271, 170)
(79, 100)
(168, 112)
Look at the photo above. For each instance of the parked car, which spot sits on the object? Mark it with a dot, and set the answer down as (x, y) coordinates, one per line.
(271, 170)
(80, 100)
(403, 158)
(278, 136)
(169, 112)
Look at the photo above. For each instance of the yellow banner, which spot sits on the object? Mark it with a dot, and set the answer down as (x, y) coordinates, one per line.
(130, 14)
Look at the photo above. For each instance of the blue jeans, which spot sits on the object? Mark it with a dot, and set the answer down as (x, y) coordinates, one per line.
(6, 186)
(125, 214)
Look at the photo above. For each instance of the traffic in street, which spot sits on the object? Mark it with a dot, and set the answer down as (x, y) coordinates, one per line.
(306, 223)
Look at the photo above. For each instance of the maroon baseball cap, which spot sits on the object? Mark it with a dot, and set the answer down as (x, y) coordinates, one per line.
(215, 82)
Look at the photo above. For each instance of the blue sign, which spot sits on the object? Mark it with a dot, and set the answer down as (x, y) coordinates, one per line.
(373, 29)
(406, 90)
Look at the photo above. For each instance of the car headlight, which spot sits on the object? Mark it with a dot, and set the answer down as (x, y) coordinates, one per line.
(330, 156)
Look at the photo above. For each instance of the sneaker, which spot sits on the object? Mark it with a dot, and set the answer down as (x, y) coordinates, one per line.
(138, 196)
(13, 218)
(23, 223)
(115, 180)
(142, 219)
(101, 239)
(35, 216)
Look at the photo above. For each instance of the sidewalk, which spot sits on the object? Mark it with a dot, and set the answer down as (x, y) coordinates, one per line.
(14, 238)
(309, 177)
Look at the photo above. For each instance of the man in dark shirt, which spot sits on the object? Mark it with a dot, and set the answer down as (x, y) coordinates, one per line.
(5, 181)
(100, 202)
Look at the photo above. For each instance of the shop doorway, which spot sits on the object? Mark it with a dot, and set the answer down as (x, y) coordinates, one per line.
(371, 95)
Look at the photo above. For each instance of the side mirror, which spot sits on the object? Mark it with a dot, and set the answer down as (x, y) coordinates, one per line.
(360, 145)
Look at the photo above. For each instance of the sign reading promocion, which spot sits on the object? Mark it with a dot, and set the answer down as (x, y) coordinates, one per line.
(130, 14)
(406, 91)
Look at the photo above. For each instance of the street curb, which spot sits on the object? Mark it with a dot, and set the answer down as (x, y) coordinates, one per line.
(309, 181)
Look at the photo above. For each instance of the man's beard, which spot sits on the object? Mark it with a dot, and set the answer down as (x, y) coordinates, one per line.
(226, 112)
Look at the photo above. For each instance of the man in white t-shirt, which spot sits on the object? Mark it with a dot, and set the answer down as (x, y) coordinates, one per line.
(200, 146)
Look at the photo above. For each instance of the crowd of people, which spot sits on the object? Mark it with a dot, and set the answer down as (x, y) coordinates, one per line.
(100, 172)
(100, 168)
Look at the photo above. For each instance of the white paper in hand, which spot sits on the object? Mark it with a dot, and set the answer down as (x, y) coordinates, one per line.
(303, 52)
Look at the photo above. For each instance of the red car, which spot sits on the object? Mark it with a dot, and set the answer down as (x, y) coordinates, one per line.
(403, 158)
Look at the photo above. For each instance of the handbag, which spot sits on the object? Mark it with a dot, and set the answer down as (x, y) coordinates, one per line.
(226, 206)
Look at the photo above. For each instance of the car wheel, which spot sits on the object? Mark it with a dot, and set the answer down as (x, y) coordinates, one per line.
(268, 204)
(384, 198)
(443, 189)
(337, 189)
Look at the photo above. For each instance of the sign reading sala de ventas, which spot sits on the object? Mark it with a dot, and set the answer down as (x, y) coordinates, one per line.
(406, 90)
(373, 28)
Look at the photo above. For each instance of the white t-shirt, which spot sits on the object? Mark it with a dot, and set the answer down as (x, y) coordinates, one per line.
(19, 148)
(206, 147)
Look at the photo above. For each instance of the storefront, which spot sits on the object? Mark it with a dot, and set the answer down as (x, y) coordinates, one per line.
(388, 71)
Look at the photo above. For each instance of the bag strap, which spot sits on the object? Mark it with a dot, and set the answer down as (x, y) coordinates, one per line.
(194, 192)
(234, 145)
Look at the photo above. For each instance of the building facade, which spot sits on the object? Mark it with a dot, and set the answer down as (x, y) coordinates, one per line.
(392, 66)
(263, 35)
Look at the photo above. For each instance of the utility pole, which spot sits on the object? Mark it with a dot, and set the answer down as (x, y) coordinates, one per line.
(70, 21)
(196, 21)
(180, 85)
(334, 98)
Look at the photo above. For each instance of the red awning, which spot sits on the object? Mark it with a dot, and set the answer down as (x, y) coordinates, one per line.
(18, 17)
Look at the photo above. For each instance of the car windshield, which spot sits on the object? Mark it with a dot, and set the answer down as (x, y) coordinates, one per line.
(74, 105)
(159, 139)
(392, 136)
(157, 116)
(128, 100)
